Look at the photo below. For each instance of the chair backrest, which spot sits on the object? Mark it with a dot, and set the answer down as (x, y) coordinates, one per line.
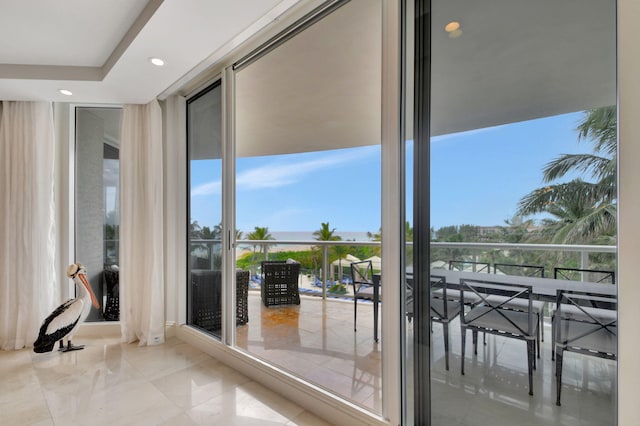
(280, 271)
(469, 266)
(361, 275)
(589, 322)
(497, 307)
(519, 270)
(439, 309)
(591, 275)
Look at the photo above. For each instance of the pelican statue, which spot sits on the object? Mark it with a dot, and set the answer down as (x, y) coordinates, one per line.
(63, 322)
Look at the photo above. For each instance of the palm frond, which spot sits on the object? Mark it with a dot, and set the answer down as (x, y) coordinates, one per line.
(557, 199)
(596, 166)
(601, 221)
(600, 125)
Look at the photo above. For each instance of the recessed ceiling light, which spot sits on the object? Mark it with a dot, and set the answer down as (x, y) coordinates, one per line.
(453, 29)
(65, 92)
(156, 61)
(452, 26)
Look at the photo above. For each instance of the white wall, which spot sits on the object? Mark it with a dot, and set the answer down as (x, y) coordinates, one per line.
(63, 192)
(629, 211)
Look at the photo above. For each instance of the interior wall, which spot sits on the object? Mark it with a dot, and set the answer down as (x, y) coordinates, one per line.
(89, 206)
(61, 187)
(628, 211)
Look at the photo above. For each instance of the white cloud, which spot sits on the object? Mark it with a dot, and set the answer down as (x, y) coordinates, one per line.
(278, 173)
(207, 188)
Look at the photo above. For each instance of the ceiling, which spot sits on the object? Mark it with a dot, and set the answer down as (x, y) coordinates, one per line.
(100, 49)
(530, 60)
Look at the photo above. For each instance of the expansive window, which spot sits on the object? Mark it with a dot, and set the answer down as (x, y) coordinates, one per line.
(97, 210)
(515, 213)
(204, 291)
(308, 187)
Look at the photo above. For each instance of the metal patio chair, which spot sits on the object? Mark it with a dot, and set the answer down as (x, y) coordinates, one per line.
(443, 311)
(491, 317)
(593, 331)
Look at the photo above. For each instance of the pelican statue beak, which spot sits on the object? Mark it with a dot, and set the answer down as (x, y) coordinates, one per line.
(84, 280)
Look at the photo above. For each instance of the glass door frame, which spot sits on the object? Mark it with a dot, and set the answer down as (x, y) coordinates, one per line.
(392, 219)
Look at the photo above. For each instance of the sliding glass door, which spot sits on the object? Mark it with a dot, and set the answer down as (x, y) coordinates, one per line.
(308, 200)
(204, 141)
(514, 213)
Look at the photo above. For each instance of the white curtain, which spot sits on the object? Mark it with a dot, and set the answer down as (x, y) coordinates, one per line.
(141, 225)
(28, 286)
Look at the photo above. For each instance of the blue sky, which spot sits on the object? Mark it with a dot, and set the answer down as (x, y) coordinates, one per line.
(477, 178)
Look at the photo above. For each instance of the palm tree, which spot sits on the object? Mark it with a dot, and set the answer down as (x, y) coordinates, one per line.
(262, 234)
(324, 234)
(195, 230)
(340, 252)
(582, 211)
(377, 236)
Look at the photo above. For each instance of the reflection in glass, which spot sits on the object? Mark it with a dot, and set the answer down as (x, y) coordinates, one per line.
(204, 239)
(97, 210)
(522, 152)
(307, 130)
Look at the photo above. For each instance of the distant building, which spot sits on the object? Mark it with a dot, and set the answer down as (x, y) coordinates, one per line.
(486, 231)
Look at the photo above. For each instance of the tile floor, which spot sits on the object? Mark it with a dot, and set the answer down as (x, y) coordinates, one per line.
(315, 340)
(176, 384)
(109, 383)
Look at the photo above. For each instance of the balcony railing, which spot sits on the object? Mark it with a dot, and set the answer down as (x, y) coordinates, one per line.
(471, 251)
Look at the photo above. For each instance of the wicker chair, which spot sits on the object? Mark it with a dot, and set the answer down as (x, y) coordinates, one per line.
(280, 283)
(206, 298)
(206, 301)
(242, 294)
(112, 280)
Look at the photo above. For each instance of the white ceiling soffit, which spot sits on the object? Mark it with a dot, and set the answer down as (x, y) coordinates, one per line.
(100, 49)
(319, 90)
(515, 60)
(518, 60)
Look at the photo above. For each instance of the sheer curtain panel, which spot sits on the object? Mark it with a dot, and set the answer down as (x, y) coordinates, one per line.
(28, 284)
(141, 226)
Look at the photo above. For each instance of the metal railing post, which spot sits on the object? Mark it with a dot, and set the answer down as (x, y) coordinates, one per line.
(325, 258)
(584, 264)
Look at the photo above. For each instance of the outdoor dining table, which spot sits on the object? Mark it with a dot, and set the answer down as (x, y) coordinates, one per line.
(541, 288)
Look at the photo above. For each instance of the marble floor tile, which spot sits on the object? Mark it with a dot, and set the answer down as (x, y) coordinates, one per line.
(111, 383)
(316, 341)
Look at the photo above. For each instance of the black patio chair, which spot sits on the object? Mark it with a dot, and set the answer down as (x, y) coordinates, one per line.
(520, 270)
(279, 283)
(577, 274)
(519, 304)
(491, 317)
(591, 275)
(443, 311)
(469, 266)
(365, 286)
(588, 325)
